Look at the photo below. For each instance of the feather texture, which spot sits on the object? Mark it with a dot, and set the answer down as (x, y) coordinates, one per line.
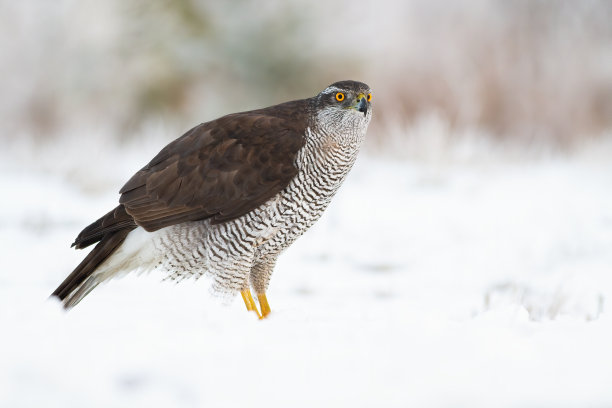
(220, 169)
(227, 197)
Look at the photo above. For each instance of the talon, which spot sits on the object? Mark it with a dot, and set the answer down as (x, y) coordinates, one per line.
(250, 303)
(263, 304)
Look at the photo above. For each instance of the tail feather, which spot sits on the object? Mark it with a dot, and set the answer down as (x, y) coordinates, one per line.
(109, 231)
(83, 290)
(115, 220)
(81, 281)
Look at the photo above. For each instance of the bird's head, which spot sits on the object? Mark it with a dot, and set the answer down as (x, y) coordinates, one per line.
(345, 105)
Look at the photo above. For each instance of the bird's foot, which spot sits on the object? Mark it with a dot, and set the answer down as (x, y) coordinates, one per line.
(263, 304)
(251, 306)
(250, 302)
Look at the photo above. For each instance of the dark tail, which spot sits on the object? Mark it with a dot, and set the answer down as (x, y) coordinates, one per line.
(109, 231)
(116, 220)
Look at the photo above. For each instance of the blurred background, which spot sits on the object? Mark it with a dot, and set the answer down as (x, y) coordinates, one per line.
(534, 72)
(466, 261)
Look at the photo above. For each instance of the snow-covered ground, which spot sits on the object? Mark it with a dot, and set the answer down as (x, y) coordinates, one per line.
(449, 283)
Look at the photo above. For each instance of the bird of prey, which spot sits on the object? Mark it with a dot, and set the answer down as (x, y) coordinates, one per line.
(227, 197)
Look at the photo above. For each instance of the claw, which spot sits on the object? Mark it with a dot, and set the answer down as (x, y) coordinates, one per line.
(263, 304)
(250, 303)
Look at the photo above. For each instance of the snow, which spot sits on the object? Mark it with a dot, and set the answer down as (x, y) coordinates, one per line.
(427, 283)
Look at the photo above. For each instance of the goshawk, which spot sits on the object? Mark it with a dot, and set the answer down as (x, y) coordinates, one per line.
(227, 197)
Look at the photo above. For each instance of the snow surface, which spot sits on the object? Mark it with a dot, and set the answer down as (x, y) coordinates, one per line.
(479, 283)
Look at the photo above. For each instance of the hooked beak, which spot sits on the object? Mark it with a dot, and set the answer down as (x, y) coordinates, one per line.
(362, 104)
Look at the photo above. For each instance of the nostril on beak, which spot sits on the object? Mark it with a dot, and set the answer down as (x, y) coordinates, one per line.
(363, 105)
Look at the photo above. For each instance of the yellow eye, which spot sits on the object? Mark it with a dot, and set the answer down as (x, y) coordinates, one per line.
(369, 97)
(339, 96)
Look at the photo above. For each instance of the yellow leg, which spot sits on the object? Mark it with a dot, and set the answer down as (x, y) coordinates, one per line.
(263, 304)
(250, 303)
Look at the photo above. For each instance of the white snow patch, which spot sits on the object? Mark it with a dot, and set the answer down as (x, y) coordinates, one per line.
(426, 285)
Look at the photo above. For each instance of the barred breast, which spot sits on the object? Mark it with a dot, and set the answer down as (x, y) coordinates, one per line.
(247, 247)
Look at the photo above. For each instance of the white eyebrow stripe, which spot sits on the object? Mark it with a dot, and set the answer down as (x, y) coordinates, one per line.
(331, 89)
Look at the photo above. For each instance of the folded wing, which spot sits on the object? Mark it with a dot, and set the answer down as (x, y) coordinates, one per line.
(218, 170)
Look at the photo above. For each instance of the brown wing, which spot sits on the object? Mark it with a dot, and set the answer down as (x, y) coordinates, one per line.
(220, 169)
(115, 220)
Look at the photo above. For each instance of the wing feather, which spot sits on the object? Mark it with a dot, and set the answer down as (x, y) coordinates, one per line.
(220, 169)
